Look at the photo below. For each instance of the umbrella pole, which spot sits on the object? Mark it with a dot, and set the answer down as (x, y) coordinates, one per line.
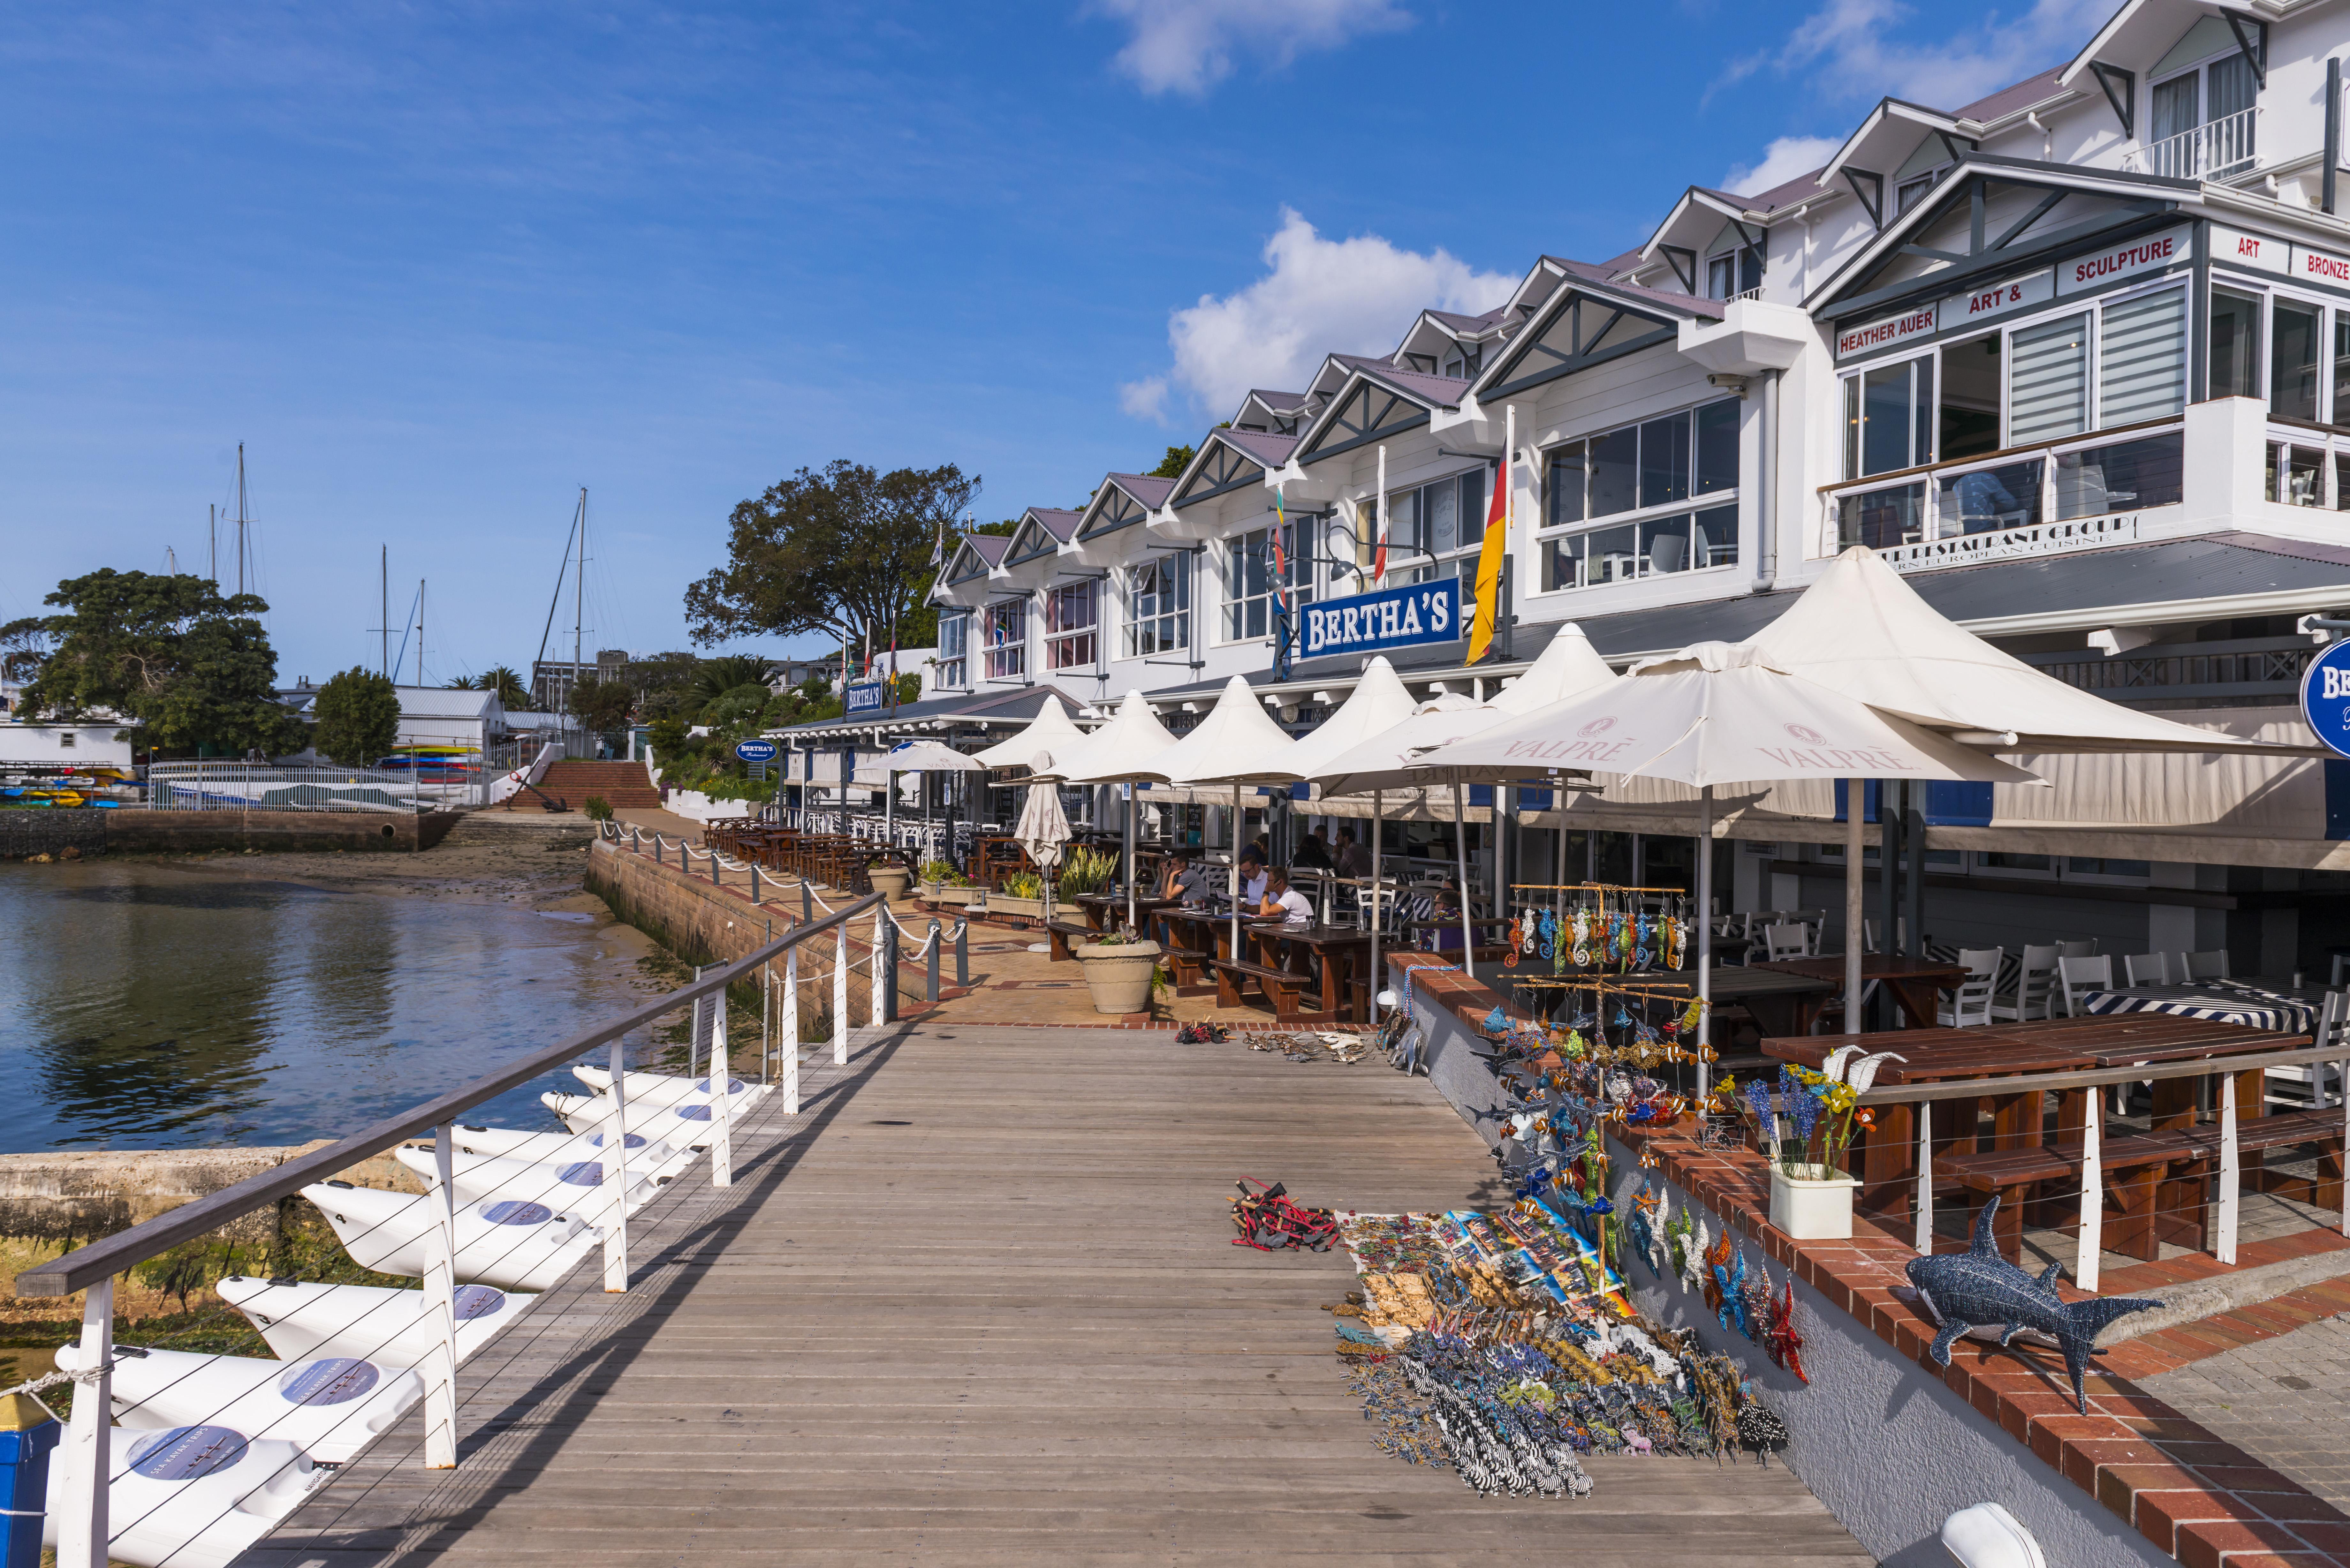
(1233, 877)
(1461, 861)
(1129, 860)
(1855, 928)
(1704, 937)
(1377, 974)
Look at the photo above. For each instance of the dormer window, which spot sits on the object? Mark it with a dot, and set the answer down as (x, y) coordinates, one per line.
(1912, 191)
(2204, 119)
(1463, 362)
(1732, 272)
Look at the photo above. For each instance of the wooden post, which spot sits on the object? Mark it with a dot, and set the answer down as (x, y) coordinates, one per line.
(2093, 1197)
(935, 943)
(83, 1526)
(440, 1367)
(2231, 1173)
(962, 970)
(722, 1116)
(840, 996)
(616, 1178)
(1925, 1204)
(791, 1032)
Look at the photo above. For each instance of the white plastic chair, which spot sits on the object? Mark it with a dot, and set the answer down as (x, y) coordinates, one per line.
(1787, 941)
(2305, 1086)
(2212, 965)
(2077, 949)
(2036, 985)
(1971, 1001)
(2077, 976)
(2147, 968)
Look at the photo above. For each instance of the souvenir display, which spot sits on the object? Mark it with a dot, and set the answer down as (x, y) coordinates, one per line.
(1598, 926)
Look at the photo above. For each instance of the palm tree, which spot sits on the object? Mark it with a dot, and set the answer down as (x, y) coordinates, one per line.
(460, 683)
(513, 692)
(714, 678)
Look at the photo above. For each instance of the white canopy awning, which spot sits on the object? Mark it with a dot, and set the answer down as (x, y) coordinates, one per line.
(1235, 741)
(1378, 704)
(1125, 748)
(1051, 730)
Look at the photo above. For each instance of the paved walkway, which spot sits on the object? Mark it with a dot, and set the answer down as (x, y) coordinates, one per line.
(979, 1306)
(2285, 1401)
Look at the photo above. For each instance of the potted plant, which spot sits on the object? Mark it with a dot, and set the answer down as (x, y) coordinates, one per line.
(1022, 893)
(889, 879)
(942, 884)
(1811, 1200)
(1118, 972)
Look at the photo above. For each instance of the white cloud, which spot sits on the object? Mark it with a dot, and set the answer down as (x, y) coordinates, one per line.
(1188, 46)
(1846, 50)
(1320, 297)
(1146, 399)
(1783, 161)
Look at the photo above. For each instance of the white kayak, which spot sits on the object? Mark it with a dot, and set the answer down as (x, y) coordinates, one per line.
(575, 1189)
(329, 1407)
(686, 1125)
(191, 1497)
(513, 1243)
(303, 1318)
(655, 1091)
(653, 1157)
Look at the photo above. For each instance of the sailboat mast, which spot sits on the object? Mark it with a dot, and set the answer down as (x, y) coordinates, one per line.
(420, 631)
(211, 533)
(240, 517)
(384, 616)
(579, 591)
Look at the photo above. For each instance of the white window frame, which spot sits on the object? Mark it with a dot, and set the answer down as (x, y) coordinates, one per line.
(1232, 609)
(1545, 533)
(1007, 655)
(1077, 646)
(1144, 608)
(954, 649)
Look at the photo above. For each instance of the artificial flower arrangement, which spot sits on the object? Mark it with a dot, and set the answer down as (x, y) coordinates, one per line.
(1826, 1098)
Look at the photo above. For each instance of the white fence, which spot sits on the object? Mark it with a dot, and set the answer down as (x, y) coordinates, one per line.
(268, 786)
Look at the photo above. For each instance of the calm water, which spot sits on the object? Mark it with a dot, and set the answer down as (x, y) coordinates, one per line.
(145, 1007)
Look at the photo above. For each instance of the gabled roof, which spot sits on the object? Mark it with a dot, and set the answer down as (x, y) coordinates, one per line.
(1374, 400)
(1587, 321)
(975, 555)
(1043, 531)
(1228, 459)
(1123, 500)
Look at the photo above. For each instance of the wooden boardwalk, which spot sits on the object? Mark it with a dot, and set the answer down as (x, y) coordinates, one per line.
(979, 1307)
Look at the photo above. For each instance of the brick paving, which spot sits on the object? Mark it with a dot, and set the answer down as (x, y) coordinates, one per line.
(2285, 1401)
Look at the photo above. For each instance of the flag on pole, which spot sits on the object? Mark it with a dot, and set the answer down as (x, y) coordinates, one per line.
(1280, 558)
(1488, 563)
(1379, 561)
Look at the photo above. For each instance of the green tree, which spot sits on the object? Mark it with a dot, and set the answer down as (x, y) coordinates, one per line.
(513, 692)
(357, 718)
(603, 706)
(1177, 460)
(845, 553)
(721, 676)
(193, 666)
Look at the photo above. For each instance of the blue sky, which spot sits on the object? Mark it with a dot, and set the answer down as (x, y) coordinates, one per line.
(440, 266)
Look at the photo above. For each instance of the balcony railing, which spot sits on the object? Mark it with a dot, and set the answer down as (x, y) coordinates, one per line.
(2255, 669)
(2220, 148)
(2026, 501)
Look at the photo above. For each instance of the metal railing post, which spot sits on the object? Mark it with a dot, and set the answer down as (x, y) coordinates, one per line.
(791, 1032)
(755, 884)
(2092, 1195)
(767, 1014)
(694, 1034)
(83, 1526)
(2232, 1175)
(807, 903)
(877, 973)
(935, 944)
(721, 1131)
(963, 952)
(440, 1367)
(713, 868)
(1925, 1205)
(657, 849)
(840, 997)
(616, 1178)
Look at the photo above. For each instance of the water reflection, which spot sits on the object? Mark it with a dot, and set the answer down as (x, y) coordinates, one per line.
(148, 1007)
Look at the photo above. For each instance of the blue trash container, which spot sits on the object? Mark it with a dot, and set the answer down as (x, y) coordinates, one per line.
(27, 1433)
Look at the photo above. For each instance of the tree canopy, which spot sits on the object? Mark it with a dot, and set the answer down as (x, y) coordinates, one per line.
(1177, 460)
(603, 706)
(193, 666)
(357, 718)
(844, 552)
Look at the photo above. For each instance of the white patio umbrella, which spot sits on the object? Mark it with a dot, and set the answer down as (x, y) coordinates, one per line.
(1123, 750)
(1052, 729)
(1568, 667)
(929, 757)
(1718, 713)
(1043, 828)
(1230, 745)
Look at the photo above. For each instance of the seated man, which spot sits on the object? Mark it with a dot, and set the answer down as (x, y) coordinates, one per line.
(1252, 877)
(1352, 859)
(1191, 883)
(1280, 898)
(1312, 853)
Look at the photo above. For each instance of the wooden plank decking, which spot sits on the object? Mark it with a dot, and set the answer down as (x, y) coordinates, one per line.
(979, 1307)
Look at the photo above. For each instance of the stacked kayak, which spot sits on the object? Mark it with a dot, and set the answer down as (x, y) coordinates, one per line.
(328, 1406)
(302, 1318)
(191, 1497)
(513, 1244)
(577, 1188)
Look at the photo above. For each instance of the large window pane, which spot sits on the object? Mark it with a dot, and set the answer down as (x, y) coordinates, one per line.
(1985, 500)
(1881, 519)
(1713, 539)
(2048, 384)
(2293, 359)
(2120, 478)
(1443, 504)
(1473, 507)
(1717, 447)
(2340, 367)
(1969, 404)
(1885, 419)
(1613, 555)
(1665, 461)
(1562, 562)
(1665, 544)
(1852, 427)
(2176, 103)
(1614, 480)
(1564, 499)
(2235, 345)
(2142, 359)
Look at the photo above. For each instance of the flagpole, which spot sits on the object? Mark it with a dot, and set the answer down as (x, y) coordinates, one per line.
(1379, 557)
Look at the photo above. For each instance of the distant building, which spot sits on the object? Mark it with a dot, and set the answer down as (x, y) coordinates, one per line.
(551, 679)
(55, 746)
(440, 716)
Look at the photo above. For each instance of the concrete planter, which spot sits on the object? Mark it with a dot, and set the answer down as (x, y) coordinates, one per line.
(1028, 908)
(940, 893)
(1118, 976)
(1816, 1206)
(890, 881)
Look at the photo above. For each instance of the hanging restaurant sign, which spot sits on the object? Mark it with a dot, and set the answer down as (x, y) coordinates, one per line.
(2326, 697)
(869, 697)
(1390, 617)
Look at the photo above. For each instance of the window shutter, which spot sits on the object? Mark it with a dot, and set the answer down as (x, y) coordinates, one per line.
(2048, 391)
(2142, 358)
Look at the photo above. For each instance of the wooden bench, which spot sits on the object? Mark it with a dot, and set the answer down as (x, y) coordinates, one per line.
(1191, 969)
(2161, 1175)
(1281, 989)
(1059, 932)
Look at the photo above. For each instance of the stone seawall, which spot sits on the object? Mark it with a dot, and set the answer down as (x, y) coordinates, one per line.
(701, 924)
(90, 830)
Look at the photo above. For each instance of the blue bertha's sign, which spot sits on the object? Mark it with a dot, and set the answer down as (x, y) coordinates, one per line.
(870, 698)
(1392, 617)
(755, 751)
(2326, 697)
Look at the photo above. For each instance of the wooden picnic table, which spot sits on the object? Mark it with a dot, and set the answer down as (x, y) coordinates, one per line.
(1913, 982)
(1331, 951)
(1888, 1152)
(1104, 909)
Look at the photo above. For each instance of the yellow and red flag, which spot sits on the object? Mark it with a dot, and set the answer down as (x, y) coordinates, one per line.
(1489, 565)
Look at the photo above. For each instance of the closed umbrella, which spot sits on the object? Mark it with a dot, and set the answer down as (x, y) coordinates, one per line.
(1043, 828)
(919, 757)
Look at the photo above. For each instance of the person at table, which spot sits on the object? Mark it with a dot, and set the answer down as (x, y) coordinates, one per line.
(1191, 883)
(1446, 937)
(1295, 910)
(1252, 877)
(1314, 854)
(1353, 860)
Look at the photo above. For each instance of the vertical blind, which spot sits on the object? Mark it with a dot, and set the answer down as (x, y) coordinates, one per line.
(2048, 383)
(2142, 358)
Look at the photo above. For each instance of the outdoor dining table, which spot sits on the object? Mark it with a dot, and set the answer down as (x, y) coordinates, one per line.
(1912, 982)
(1333, 950)
(1886, 1152)
(1103, 910)
(2224, 1001)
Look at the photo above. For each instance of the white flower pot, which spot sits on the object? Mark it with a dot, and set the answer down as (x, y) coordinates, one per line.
(1816, 1206)
(1118, 976)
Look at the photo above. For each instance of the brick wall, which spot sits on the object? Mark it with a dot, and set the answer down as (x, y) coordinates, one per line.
(46, 830)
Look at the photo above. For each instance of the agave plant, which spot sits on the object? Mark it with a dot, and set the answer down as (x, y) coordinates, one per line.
(1086, 871)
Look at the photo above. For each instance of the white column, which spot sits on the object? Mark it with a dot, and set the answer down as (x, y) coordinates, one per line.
(440, 1367)
(840, 996)
(83, 1524)
(616, 1179)
(791, 1032)
(1856, 919)
(721, 1112)
(2092, 1195)
(876, 996)
(2232, 1175)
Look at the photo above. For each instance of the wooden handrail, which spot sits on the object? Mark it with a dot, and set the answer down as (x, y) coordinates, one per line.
(2099, 1077)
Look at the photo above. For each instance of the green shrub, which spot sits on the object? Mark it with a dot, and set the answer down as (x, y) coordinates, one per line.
(598, 808)
(1086, 871)
(1024, 885)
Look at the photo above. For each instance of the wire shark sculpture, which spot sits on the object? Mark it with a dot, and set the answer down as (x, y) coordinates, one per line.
(1962, 1290)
